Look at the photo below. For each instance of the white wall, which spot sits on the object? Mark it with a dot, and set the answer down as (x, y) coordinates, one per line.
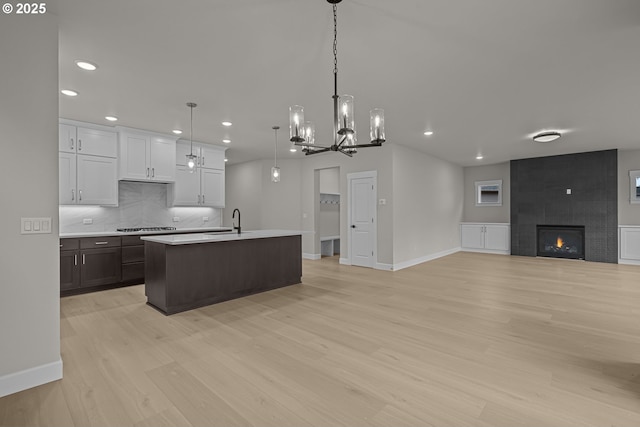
(427, 206)
(30, 288)
(264, 204)
(367, 159)
(473, 213)
(628, 214)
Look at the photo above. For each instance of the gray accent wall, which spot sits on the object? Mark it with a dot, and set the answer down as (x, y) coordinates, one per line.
(628, 213)
(30, 266)
(473, 213)
(539, 197)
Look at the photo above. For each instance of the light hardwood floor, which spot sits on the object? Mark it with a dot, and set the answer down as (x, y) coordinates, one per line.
(465, 340)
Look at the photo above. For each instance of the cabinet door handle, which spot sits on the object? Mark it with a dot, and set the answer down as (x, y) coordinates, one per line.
(202, 160)
(153, 172)
(102, 243)
(71, 144)
(147, 172)
(83, 260)
(80, 194)
(203, 199)
(79, 145)
(73, 195)
(75, 260)
(60, 245)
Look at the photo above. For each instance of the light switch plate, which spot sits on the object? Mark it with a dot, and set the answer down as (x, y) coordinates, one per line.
(35, 225)
(568, 191)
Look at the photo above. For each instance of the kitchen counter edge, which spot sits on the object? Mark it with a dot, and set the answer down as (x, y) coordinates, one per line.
(187, 239)
(142, 233)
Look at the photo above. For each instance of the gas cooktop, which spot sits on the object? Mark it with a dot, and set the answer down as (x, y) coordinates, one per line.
(136, 229)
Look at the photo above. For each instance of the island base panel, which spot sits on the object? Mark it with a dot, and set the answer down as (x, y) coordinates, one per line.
(184, 277)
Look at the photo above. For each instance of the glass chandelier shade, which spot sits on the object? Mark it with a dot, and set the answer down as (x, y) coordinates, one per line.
(275, 170)
(376, 126)
(346, 118)
(309, 136)
(275, 174)
(296, 121)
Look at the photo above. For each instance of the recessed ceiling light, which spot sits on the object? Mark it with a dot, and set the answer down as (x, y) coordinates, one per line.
(226, 160)
(69, 92)
(293, 149)
(85, 65)
(177, 131)
(226, 141)
(428, 133)
(479, 157)
(546, 136)
(111, 118)
(226, 124)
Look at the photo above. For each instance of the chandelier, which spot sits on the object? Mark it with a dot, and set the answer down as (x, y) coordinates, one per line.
(344, 140)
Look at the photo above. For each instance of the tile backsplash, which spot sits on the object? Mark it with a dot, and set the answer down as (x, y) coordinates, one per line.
(141, 204)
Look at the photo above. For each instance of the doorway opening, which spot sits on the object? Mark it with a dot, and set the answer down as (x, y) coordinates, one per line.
(329, 212)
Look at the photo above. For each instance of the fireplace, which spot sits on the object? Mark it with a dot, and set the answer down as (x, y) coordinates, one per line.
(561, 241)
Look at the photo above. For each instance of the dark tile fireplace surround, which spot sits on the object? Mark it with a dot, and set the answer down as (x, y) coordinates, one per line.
(539, 198)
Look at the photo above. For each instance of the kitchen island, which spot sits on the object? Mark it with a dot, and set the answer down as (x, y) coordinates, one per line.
(187, 271)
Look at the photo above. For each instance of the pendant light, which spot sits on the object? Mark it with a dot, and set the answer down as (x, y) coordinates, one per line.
(275, 170)
(191, 158)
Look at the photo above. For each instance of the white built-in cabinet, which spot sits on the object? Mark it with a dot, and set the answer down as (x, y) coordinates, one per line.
(204, 186)
(146, 156)
(485, 237)
(629, 252)
(87, 165)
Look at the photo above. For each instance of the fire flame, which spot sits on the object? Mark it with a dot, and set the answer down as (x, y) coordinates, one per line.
(559, 242)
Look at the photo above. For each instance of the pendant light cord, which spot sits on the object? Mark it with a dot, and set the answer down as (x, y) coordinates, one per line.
(275, 150)
(335, 39)
(191, 131)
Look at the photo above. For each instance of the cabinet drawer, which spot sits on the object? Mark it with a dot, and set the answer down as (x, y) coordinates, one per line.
(69, 244)
(131, 241)
(100, 242)
(132, 254)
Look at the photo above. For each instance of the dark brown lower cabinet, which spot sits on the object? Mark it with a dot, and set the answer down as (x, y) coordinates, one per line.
(100, 266)
(132, 259)
(69, 270)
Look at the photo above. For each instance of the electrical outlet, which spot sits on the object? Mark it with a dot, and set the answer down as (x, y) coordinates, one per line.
(205, 218)
(87, 221)
(382, 201)
(568, 191)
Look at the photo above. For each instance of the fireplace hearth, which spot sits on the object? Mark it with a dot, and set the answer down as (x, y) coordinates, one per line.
(561, 241)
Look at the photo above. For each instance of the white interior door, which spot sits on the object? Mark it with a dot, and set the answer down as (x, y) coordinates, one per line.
(362, 218)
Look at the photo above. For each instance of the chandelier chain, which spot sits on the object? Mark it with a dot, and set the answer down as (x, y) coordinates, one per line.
(335, 39)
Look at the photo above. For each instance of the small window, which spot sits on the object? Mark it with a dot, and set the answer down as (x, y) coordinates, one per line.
(489, 193)
(634, 186)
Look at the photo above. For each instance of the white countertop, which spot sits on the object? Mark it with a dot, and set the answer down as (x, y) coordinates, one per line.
(141, 233)
(187, 239)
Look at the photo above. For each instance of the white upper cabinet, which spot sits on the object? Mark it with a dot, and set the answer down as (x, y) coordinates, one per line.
(85, 140)
(87, 164)
(147, 156)
(205, 185)
(208, 156)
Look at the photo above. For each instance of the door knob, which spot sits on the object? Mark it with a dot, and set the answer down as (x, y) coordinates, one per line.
(353, 226)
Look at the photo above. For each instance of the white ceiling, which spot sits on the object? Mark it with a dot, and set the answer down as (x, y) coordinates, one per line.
(483, 74)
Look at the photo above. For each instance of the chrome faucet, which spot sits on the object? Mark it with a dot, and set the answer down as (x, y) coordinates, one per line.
(239, 228)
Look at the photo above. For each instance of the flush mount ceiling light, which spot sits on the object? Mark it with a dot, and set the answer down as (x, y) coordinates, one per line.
(546, 136)
(275, 170)
(191, 158)
(428, 133)
(69, 92)
(344, 130)
(86, 65)
(226, 141)
(227, 124)
(479, 157)
(177, 131)
(111, 118)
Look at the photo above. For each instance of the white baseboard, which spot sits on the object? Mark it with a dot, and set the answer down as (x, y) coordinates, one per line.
(416, 261)
(345, 261)
(382, 266)
(313, 257)
(628, 261)
(486, 251)
(32, 377)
